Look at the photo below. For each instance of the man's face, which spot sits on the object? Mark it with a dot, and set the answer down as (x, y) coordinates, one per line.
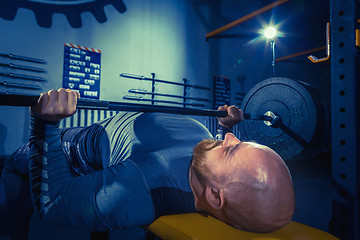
(238, 156)
(222, 158)
(215, 157)
(239, 167)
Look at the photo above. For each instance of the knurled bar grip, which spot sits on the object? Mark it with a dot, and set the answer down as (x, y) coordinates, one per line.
(258, 117)
(31, 100)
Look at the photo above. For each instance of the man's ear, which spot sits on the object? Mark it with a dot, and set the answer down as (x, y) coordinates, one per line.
(215, 197)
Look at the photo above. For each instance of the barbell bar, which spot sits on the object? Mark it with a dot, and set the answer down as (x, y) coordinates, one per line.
(22, 58)
(31, 100)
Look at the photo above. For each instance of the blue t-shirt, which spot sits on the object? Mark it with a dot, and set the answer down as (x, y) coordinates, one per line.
(124, 171)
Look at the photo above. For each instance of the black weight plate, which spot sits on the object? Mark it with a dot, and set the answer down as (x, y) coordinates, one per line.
(294, 104)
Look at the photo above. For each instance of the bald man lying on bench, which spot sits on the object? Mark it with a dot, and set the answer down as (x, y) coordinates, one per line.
(128, 170)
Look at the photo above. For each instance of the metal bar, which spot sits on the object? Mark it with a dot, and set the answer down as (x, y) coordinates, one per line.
(245, 18)
(293, 135)
(345, 92)
(31, 100)
(153, 88)
(317, 60)
(300, 53)
(184, 92)
(139, 77)
(162, 101)
(19, 85)
(272, 45)
(22, 76)
(145, 92)
(22, 67)
(258, 117)
(23, 58)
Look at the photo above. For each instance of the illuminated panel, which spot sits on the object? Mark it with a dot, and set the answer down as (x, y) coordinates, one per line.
(82, 67)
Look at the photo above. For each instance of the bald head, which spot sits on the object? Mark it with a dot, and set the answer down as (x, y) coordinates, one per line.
(260, 191)
(250, 179)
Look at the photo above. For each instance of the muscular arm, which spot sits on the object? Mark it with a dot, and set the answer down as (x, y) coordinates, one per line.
(58, 198)
(105, 199)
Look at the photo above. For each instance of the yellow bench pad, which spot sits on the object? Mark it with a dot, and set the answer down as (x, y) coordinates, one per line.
(196, 226)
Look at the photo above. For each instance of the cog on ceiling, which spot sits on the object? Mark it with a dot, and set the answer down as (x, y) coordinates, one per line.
(72, 9)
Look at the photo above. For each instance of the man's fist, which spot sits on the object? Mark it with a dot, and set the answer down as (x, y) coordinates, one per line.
(235, 115)
(55, 105)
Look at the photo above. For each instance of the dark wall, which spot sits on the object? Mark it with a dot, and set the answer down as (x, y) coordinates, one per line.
(162, 37)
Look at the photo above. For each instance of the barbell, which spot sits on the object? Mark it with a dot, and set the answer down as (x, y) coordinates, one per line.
(31, 100)
(287, 115)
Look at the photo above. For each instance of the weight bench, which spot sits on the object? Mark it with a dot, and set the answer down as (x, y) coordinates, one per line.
(195, 226)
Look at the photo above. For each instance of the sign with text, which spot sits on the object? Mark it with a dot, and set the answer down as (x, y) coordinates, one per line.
(82, 68)
(221, 91)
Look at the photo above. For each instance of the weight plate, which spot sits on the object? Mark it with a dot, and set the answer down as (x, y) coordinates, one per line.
(302, 116)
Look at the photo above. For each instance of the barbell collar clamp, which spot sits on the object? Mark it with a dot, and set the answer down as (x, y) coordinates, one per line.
(258, 117)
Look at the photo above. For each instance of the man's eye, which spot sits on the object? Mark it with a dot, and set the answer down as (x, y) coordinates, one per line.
(227, 150)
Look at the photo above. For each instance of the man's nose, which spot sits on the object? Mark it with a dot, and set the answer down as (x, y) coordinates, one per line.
(230, 139)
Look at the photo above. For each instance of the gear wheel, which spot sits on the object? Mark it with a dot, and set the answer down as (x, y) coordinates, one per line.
(72, 9)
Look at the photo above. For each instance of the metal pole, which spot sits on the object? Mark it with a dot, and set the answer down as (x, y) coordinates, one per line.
(272, 45)
(184, 92)
(153, 88)
(345, 75)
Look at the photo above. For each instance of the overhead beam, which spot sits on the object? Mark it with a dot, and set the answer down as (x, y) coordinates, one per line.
(300, 53)
(245, 18)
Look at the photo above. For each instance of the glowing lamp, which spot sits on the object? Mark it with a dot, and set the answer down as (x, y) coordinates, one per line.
(270, 32)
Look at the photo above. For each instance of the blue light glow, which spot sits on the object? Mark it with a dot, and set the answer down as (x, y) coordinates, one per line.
(270, 32)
